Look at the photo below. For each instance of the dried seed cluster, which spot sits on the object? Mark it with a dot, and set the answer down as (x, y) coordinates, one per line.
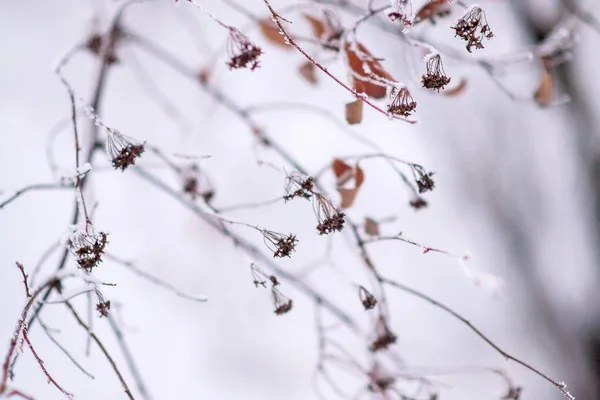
(298, 185)
(473, 28)
(418, 202)
(122, 150)
(401, 10)
(435, 78)
(424, 182)
(366, 298)
(87, 248)
(242, 52)
(402, 102)
(103, 307)
(281, 302)
(280, 244)
(196, 183)
(329, 218)
(385, 337)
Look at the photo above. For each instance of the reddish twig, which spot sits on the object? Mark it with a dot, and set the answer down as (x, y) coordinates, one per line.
(25, 277)
(42, 366)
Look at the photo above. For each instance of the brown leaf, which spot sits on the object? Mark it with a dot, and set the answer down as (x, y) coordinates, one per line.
(361, 81)
(271, 32)
(344, 173)
(431, 9)
(371, 227)
(455, 91)
(354, 112)
(309, 72)
(318, 27)
(543, 95)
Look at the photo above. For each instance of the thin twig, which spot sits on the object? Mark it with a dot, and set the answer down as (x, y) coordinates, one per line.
(37, 186)
(46, 330)
(103, 349)
(153, 279)
(137, 377)
(20, 267)
(41, 364)
(560, 385)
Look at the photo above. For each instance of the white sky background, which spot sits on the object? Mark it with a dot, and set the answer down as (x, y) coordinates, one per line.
(233, 346)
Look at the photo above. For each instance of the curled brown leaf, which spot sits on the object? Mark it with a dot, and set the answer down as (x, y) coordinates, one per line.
(354, 112)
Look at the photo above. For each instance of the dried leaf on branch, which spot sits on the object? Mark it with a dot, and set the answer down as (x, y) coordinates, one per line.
(344, 174)
(368, 75)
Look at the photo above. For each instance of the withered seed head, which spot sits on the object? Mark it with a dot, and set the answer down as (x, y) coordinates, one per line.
(329, 218)
(242, 52)
(282, 303)
(196, 183)
(418, 202)
(298, 185)
(122, 150)
(103, 308)
(424, 182)
(435, 78)
(402, 102)
(401, 10)
(280, 244)
(385, 337)
(473, 28)
(366, 298)
(87, 248)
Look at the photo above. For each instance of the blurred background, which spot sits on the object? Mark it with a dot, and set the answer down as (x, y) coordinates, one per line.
(517, 188)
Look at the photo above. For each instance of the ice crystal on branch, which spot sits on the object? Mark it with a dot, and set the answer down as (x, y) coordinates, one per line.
(401, 103)
(280, 244)
(435, 78)
(473, 28)
(122, 150)
(242, 52)
(87, 248)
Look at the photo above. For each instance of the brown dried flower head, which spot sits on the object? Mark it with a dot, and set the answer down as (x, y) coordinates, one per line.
(329, 218)
(87, 248)
(380, 381)
(103, 307)
(242, 52)
(424, 179)
(401, 10)
(385, 337)
(366, 298)
(435, 78)
(195, 183)
(401, 103)
(122, 150)
(280, 244)
(282, 303)
(418, 202)
(261, 278)
(514, 393)
(298, 185)
(473, 28)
